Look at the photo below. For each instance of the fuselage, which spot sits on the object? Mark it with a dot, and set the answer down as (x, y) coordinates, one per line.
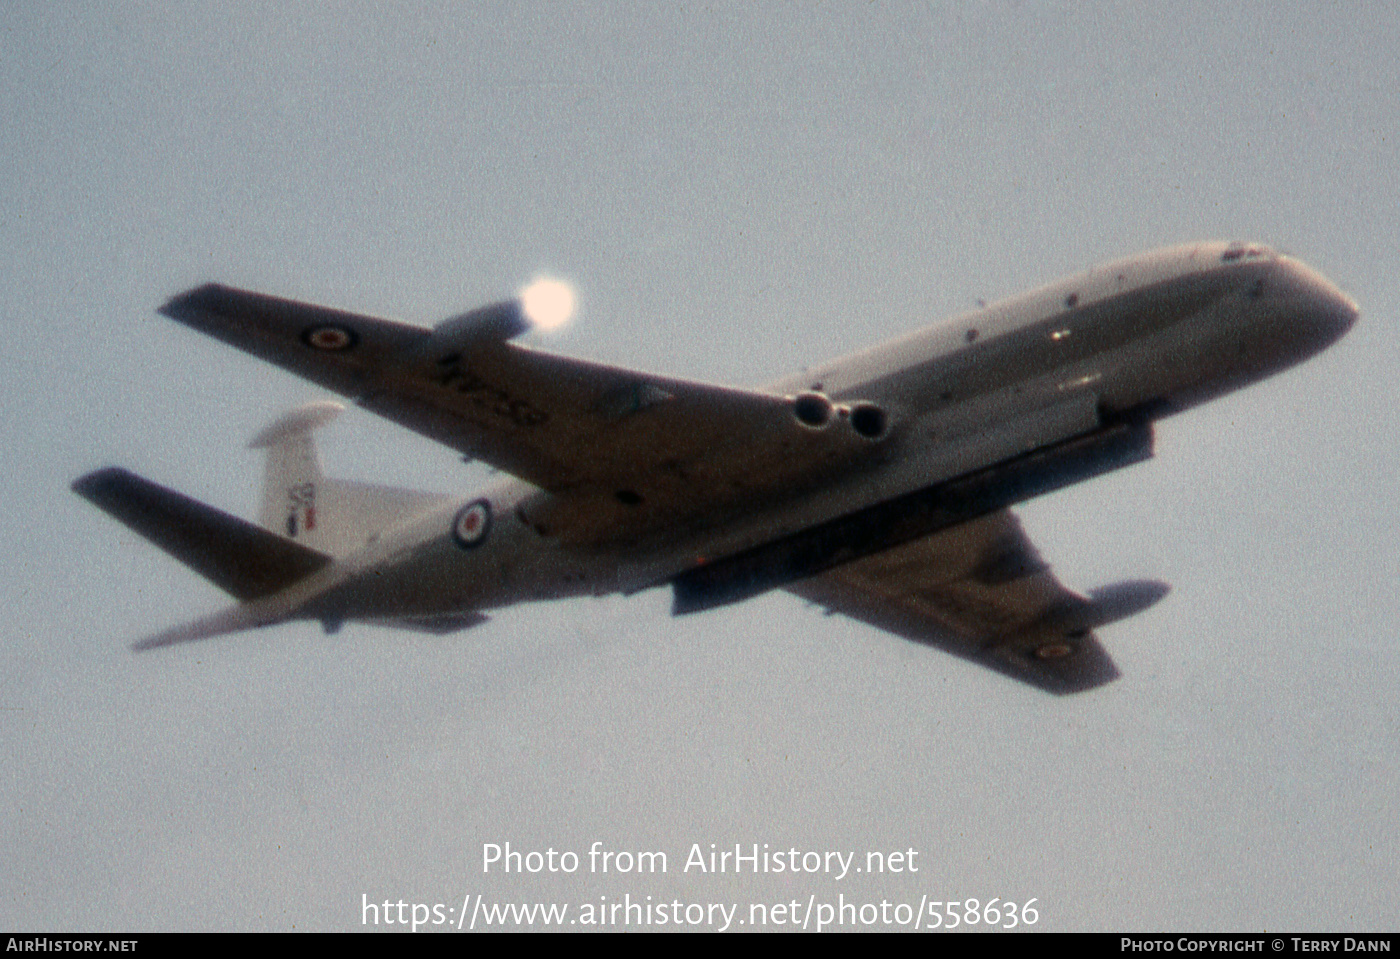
(1139, 338)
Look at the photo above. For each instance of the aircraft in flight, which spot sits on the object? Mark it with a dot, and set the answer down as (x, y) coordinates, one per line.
(876, 485)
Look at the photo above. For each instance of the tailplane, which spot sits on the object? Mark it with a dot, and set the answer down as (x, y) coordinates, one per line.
(308, 522)
(238, 557)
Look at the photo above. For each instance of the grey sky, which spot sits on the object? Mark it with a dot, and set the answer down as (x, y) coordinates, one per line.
(735, 192)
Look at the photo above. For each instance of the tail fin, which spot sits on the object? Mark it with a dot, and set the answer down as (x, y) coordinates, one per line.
(259, 568)
(293, 474)
(331, 516)
(307, 522)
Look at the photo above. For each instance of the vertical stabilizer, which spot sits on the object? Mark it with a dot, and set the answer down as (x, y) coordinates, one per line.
(336, 517)
(293, 479)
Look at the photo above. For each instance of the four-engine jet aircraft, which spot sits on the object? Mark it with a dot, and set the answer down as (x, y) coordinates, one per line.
(876, 485)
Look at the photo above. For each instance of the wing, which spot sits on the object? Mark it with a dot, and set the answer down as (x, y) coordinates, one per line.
(980, 591)
(629, 448)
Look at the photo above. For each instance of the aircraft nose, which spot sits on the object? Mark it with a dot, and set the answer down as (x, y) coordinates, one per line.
(1318, 306)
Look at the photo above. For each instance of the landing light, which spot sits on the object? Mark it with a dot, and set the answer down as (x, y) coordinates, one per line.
(547, 303)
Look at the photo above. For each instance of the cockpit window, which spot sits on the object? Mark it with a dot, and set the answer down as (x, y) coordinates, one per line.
(1238, 251)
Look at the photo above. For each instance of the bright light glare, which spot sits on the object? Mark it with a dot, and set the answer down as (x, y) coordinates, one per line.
(548, 304)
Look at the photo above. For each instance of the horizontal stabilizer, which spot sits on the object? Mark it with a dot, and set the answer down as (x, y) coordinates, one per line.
(234, 619)
(267, 612)
(238, 557)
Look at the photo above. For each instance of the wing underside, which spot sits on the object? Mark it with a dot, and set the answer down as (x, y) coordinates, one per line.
(624, 450)
(979, 591)
(629, 455)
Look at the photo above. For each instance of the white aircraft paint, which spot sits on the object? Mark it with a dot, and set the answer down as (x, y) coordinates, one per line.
(876, 484)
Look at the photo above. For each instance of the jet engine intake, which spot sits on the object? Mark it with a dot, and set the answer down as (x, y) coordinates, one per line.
(812, 410)
(869, 420)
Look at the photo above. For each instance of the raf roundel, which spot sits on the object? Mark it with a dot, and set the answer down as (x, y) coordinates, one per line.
(472, 524)
(1055, 651)
(329, 338)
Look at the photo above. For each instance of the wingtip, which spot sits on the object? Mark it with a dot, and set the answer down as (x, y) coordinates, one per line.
(91, 485)
(181, 304)
(1088, 676)
(161, 640)
(1064, 665)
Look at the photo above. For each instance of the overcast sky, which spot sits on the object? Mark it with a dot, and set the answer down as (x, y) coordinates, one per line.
(736, 191)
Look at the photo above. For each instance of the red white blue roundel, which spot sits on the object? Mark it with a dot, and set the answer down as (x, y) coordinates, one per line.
(472, 524)
(329, 337)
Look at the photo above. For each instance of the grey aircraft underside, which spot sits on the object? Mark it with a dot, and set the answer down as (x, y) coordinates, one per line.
(876, 485)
